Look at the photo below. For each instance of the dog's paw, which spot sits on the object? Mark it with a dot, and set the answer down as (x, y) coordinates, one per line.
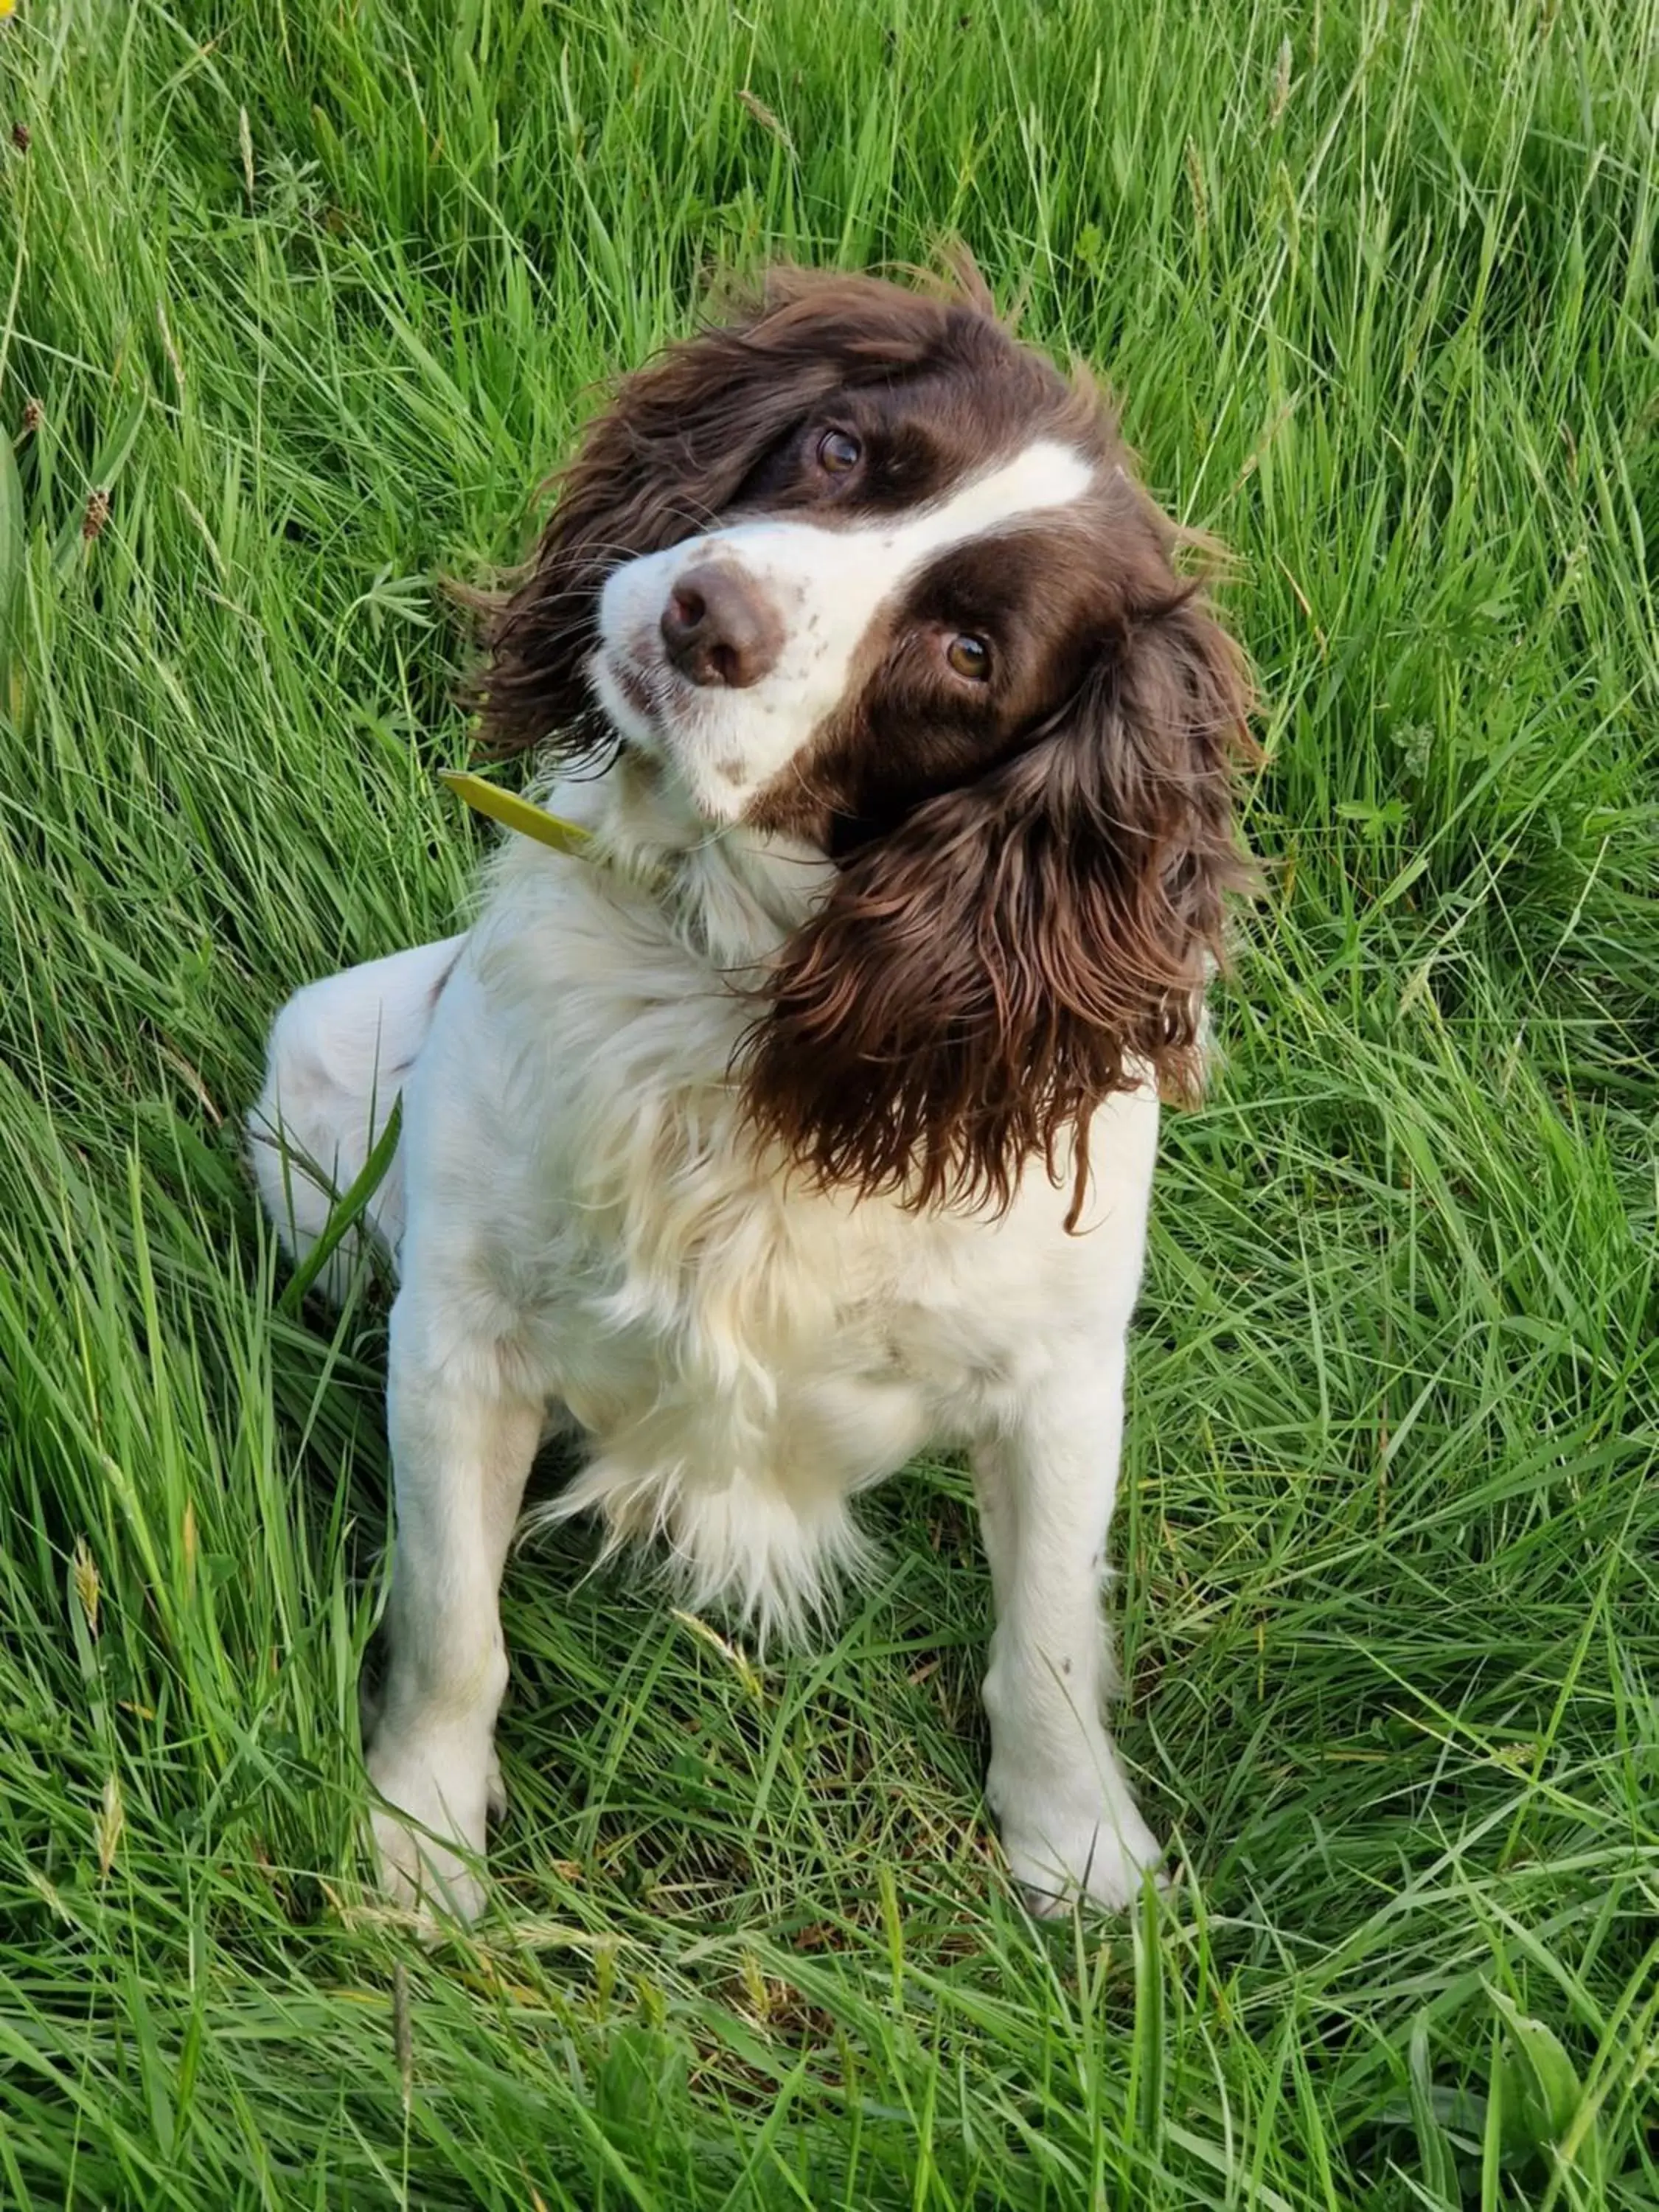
(430, 1832)
(1078, 1844)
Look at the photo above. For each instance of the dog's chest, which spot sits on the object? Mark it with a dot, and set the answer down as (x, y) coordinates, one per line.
(655, 1259)
(726, 1303)
(661, 1276)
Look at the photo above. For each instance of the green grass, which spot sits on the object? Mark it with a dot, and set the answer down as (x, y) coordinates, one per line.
(315, 292)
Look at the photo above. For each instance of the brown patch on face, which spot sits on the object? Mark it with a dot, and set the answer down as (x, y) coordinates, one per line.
(1042, 600)
(975, 401)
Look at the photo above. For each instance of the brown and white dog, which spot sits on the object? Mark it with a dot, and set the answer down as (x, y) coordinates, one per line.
(811, 1119)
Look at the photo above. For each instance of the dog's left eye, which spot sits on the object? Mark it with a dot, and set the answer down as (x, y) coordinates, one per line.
(839, 451)
(970, 657)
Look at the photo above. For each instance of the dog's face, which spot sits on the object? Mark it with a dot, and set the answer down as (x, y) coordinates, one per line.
(825, 664)
(861, 569)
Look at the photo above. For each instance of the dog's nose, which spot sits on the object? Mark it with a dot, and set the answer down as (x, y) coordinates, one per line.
(718, 628)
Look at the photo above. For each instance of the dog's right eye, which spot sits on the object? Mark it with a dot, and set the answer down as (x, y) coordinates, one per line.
(970, 656)
(838, 450)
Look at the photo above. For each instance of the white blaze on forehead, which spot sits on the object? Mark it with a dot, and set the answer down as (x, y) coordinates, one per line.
(826, 585)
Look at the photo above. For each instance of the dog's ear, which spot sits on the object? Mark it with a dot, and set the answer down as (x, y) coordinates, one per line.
(671, 454)
(980, 978)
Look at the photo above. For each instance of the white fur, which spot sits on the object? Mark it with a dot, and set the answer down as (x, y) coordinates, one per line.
(826, 586)
(344, 1047)
(587, 1231)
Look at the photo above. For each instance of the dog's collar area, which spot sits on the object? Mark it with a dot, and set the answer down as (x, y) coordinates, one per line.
(542, 827)
(698, 900)
(513, 812)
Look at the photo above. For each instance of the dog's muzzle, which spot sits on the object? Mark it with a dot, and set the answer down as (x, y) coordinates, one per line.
(718, 628)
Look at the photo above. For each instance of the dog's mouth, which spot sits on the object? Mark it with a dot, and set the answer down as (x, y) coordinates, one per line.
(636, 683)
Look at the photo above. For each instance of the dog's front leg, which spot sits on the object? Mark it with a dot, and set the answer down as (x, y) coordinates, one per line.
(1045, 1490)
(462, 1442)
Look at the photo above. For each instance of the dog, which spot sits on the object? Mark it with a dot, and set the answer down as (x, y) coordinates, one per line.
(808, 1117)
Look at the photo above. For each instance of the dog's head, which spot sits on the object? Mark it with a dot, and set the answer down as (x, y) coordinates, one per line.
(861, 569)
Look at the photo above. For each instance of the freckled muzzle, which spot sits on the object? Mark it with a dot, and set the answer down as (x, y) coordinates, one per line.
(723, 655)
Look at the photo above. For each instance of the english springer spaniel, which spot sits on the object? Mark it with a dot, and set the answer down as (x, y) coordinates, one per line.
(807, 1118)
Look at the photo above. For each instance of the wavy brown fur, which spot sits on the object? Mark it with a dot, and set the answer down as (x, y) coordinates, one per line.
(982, 977)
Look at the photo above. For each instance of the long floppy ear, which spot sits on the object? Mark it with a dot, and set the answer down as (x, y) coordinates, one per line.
(670, 453)
(979, 979)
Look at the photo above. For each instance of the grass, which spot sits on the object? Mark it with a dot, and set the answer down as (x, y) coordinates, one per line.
(312, 295)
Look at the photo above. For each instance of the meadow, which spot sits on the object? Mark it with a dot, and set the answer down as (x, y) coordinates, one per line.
(302, 298)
